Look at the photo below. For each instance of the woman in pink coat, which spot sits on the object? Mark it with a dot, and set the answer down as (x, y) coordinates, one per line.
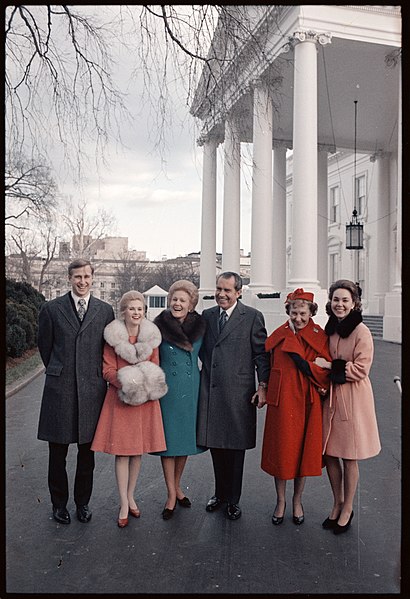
(350, 430)
(130, 422)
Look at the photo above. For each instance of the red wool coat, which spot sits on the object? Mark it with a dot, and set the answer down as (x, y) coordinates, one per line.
(292, 440)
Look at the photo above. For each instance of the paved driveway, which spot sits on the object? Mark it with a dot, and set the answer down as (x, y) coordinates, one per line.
(197, 552)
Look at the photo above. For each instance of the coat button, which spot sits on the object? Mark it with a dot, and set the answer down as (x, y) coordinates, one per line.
(174, 374)
(174, 363)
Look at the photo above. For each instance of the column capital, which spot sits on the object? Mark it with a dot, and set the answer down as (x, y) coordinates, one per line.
(330, 148)
(302, 35)
(278, 144)
(209, 138)
(379, 155)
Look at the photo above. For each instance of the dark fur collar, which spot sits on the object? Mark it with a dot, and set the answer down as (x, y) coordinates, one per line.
(345, 326)
(183, 335)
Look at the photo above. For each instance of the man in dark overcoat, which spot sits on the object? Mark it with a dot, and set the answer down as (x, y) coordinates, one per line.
(233, 356)
(70, 341)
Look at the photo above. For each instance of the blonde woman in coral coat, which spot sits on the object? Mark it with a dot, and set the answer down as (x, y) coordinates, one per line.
(350, 431)
(130, 422)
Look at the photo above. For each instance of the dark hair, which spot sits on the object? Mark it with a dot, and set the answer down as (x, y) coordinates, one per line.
(313, 307)
(227, 275)
(79, 263)
(349, 286)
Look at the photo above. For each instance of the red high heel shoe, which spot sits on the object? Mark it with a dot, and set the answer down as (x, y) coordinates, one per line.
(122, 522)
(135, 512)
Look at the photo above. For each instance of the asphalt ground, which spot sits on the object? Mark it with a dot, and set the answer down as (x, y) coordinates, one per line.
(196, 552)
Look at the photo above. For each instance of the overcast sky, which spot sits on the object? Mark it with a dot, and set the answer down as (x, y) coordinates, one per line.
(157, 205)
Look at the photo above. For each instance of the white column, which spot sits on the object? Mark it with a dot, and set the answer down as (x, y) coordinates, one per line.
(304, 216)
(262, 199)
(397, 284)
(322, 221)
(231, 205)
(304, 271)
(382, 250)
(279, 218)
(208, 224)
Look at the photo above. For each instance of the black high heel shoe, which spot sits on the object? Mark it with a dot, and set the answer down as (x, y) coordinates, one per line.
(299, 519)
(330, 523)
(338, 530)
(278, 519)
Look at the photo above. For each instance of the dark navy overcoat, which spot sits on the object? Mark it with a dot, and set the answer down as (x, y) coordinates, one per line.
(72, 352)
(231, 363)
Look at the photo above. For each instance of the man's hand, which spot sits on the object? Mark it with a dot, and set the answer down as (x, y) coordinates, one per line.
(259, 398)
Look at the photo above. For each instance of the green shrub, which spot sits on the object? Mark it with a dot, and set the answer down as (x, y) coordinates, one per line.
(23, 304)
(15, 341)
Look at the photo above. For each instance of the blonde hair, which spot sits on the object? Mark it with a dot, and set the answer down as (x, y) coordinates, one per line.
(186, 286)
(128, 297)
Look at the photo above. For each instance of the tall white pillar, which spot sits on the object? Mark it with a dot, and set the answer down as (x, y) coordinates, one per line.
(262, 200)
(397, 284)
(304, 269)
(208, 223)
(279, 218)
(392, 321)
(322, 220)
(382, 250)
(231, 205)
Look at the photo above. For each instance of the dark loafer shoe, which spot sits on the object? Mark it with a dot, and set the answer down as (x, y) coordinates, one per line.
(233, 511)
(61, 515)
(184, 502)
(83, 513)
(167, 512)
(213, 504)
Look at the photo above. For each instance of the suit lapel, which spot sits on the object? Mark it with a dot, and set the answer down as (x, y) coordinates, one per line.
(232, 322)
(92, 311)
(213, 322)
(66, 307)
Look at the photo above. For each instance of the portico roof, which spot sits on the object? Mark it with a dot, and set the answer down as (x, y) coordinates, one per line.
(360, 63)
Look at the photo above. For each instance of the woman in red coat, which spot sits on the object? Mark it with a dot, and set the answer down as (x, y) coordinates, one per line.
(292, 440)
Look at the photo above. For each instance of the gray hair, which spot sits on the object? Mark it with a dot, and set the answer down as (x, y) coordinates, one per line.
(227, 275)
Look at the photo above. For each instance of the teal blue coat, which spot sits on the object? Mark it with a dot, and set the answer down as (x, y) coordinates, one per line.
(179, 406)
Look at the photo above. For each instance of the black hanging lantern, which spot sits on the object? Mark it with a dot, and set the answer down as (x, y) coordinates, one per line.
(354, 230)
(354, 233)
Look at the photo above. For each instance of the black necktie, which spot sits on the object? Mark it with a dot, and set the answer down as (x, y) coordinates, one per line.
(222, 320)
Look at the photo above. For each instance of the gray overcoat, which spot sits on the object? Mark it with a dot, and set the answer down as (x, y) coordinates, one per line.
(226, 417)
(72, 353)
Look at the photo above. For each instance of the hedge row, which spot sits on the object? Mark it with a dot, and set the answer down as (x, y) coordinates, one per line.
(23, 304)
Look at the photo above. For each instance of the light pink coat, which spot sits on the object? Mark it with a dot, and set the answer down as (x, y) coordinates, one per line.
(349, 419)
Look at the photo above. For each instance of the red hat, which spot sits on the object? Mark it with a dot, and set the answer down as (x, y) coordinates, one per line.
(299, 294)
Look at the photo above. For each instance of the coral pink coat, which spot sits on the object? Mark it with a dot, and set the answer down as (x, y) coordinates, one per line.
(124, 429)
(349, 419)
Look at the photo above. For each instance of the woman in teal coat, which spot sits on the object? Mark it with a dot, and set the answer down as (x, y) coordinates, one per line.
(182, 331)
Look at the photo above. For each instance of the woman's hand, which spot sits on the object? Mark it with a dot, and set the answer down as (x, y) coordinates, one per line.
(322, 363)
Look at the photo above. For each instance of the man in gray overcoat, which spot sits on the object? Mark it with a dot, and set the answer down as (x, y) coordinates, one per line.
(232, 352)
(70, 341)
